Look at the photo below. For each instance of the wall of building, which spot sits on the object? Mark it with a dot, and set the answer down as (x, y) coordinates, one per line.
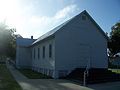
(23, 52)
(78, 43)
(75, 45)
(23, 57)
(45, 65)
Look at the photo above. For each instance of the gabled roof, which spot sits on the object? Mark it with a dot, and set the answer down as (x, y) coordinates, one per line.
(52, 32)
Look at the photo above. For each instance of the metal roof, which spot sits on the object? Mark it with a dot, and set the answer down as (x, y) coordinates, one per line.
(50, 32)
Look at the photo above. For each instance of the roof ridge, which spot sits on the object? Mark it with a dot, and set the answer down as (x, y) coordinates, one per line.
(51, 32)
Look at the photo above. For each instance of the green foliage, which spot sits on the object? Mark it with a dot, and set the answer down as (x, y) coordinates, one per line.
(7, 41)
(115, 70)
(114, 42)
(33, 74)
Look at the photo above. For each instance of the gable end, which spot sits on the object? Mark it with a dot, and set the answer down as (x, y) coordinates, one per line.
(97, 26)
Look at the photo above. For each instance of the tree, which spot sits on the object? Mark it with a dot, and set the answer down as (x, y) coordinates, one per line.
(114, 40)
(7, 41)
(18, 36)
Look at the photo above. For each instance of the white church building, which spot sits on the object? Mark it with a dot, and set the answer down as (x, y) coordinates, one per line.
(77, 43)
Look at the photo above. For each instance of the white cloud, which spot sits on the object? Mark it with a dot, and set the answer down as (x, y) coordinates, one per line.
(65, 11)
(45, 23)
(20, 16)
(40, 20)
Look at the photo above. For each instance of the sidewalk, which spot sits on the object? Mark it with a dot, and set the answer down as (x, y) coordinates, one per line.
(43, 84)
(51, 84)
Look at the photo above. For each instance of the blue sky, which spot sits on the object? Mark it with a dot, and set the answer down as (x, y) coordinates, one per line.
(36, 17)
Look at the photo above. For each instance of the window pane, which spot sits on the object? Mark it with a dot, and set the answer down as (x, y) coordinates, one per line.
(38, 53)
(34, 53)
(50, 50)
(43, 51)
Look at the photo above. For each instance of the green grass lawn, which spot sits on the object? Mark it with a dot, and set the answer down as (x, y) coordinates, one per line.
(115, 70)
(7, 81)
(33, 75)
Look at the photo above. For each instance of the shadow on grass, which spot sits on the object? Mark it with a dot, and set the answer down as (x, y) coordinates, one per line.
(33, 74)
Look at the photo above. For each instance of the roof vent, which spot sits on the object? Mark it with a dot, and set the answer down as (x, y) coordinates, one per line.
(84, 17)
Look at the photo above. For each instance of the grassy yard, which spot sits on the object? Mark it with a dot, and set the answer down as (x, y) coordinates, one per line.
(7, 82)
(115, 70)
(33, 75)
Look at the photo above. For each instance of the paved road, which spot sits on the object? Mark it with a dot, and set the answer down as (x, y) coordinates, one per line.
(106, 86)
(51, 84)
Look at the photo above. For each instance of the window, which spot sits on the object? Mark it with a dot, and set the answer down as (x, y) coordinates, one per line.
(50, 50)
(38, 53)
(34, 53)
(43, 51)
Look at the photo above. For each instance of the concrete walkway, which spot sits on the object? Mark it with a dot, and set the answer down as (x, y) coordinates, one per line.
(51, 84)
